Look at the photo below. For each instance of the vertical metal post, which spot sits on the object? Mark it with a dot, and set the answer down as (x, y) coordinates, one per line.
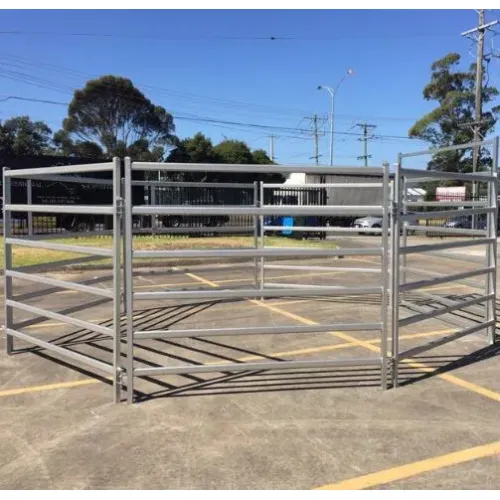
(7, 230)
(29, 200)
(261, 237)
(124, 247)
(117, 244)
(256, 232)
(404, 208)
(384, 275)
(396, 224)
(154, 218)
(491, 250)
(129, 280)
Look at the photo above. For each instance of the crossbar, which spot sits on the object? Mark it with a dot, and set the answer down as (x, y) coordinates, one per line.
(105, 252)
(68, 285)
(242, 367)
(86, 325)
(446, 246)
(68, 169)
(61, 209)
(255, 330)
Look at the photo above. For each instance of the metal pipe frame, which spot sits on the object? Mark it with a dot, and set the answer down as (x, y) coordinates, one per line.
(403, 177)
(228, 185)
(326, 229)
(10, 273)
(325, 185)
(325, 268)
(433, 151)
(258, 253)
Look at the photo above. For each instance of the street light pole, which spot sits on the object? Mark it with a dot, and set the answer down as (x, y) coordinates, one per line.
(333, 92)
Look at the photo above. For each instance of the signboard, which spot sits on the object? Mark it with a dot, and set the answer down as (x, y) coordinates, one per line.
(451, 193)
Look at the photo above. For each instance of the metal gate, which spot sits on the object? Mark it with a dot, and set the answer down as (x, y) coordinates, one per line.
(258, 253)
(405, 223)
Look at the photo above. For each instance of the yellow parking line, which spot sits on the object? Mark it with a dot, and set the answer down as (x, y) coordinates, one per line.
(405, 471)
(344, 336)
(49, 387)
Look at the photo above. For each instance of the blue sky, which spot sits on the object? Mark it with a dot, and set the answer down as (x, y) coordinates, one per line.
(214, 64)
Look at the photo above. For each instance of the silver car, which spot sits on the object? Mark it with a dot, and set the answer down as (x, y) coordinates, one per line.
(375, 222)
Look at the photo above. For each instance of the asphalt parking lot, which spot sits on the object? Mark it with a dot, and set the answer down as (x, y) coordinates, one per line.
(298, 429)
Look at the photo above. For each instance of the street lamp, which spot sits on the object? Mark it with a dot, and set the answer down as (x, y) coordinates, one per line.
(333, 92)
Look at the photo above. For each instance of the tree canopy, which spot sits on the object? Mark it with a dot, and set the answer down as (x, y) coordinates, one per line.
(22, 136)
(116, 116)
(450, 123)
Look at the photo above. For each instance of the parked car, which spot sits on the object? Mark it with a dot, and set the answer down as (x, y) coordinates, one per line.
(465, 222)
(375, 222)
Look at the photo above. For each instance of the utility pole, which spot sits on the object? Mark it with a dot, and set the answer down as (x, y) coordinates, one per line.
(316, 135)
(365, 127)
(481, 29)
(271, 147)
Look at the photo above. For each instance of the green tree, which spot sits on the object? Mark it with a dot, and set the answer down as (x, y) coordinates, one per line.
(115, 115)
(22, 136)
(64, 145)
(260, 157)
(233, 151)
(449, 123)
(196, 149)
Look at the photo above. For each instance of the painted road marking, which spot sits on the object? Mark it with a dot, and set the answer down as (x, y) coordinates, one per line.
(297, 352)
(405, 471)
(344, 336)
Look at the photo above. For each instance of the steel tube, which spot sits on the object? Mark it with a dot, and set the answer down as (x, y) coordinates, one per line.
(444, 340)
(74, 356)
(447, 245)
(229, 185)
(69, 169)
(385, 264)
(325, 185)
(117, 297)
(445, 310)
(129, 280)
(7, 231)
(326, 229)
(435, 174)
(415, 285)
(68, 285)
(325, 268)
(241, 367)
(260, 252)
(264, 169)
(447, 213)
(218, 293)
(257, 330)
(434, 151)
(447, 230)
(62, 209)
(413, 204)
(251, 210)
(86, 325)
(197, 229)
(105, 252)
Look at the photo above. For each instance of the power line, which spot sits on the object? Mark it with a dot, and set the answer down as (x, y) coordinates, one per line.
(365, 127)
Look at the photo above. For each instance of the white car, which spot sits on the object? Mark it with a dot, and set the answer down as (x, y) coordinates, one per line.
(375, 222)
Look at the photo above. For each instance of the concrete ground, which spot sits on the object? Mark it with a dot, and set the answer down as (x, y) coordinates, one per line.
(297, 429)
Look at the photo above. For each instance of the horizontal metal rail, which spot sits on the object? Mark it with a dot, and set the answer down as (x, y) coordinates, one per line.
(445, 246)
(60, 317)
(72, 178)
(447, 230)
(265, 169)
(433, 151)
(325, 229)
(230, 185)
(448, 213)
(415, 285)
(252, 210)
(68, 285)
(434, 174)
(444, 340)
(68, 169)
(426, 272)
(444, 310)
(414, 204)
(326, 185)
(241, 293)
(200, 229)
(62, 209)
(312, 287)
(243, 367)
(324, 268)
(74, 356)
(255, 330)
(105, 252)
(257, 252)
